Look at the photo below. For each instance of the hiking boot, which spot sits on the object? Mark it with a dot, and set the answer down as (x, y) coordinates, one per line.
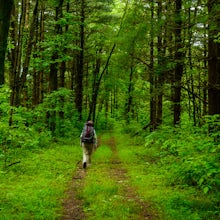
(84, 165)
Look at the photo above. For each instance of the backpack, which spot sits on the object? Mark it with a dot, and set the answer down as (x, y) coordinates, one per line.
(88, 133)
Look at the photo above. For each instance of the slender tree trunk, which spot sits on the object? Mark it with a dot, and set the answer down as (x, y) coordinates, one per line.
(179, 63)
(27, 16)
(191, 86)
(161, 55)
(205, 83)
(128, 106)
(63, 64)
(95, 90)
(129, 102)
(35, 88)
(16, 34)
(80, 64)
(152, 76)
(62, 82)
(41, 73)
(30, 43)
(5, 14)
(53, 74)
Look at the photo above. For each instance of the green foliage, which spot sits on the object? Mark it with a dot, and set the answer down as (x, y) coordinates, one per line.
(191, 155)
(183, 157)
(16, 141)
(61, 104)
(105, 122)
(29, 130)
(4, 104)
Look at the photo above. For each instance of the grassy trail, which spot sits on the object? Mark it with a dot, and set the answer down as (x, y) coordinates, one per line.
(126, 181)
(119, 174)
(103, 191)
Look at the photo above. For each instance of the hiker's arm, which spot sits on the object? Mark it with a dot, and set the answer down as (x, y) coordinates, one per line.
(95, 139)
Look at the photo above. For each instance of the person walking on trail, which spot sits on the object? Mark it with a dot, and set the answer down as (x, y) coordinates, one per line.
(88, 141)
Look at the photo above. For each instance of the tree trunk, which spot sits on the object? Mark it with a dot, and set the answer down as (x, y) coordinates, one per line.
(30, 43)
(205, 83)
(191, 86)
(152, 76)
(35, 88)
(179, 63)
(41, 74)
(16, 34)
(128, 105)
(161, 55)
(95, 90)
(80, 64)
(27, 16)
(15, 56)
(63, 63)
(5, 14)
(214, 61)
(53, 79)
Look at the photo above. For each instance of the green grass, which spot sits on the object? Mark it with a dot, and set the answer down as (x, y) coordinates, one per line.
(102, 194)
(151, 177)
(34, 188)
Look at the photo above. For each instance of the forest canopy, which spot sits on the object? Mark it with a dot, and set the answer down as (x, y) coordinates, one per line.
(138, 61)
(145, 62)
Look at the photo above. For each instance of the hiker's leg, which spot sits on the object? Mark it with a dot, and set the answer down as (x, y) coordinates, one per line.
(91, 150)
(85, 153)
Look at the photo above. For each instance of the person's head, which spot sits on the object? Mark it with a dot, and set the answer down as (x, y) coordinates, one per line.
(90, 123)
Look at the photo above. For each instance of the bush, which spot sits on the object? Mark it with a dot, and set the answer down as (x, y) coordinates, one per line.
(190, 154)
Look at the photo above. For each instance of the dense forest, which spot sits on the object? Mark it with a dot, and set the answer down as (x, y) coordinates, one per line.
(149, 68)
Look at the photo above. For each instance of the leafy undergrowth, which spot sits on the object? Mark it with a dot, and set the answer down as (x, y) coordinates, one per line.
(155, 180)
(34, 188)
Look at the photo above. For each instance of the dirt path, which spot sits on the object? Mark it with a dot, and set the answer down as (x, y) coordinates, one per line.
(73, 209)
(129, 193)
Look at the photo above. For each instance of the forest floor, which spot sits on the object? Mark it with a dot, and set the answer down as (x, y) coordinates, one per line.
(74, 204)
(127, 180)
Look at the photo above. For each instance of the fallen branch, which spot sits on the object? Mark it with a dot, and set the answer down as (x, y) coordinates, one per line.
(14, 163)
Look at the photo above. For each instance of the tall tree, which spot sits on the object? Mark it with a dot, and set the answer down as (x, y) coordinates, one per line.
(153, 103)
(161, 55)
(214, 55)
(179, 54)
(80, 61)
(53, 74)
(28, 53)
(17, 35)
(5, 13)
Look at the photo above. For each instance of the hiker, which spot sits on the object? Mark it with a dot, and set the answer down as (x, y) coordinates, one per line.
(88, 141)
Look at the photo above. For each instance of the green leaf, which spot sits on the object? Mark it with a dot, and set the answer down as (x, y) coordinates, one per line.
(206, 189)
